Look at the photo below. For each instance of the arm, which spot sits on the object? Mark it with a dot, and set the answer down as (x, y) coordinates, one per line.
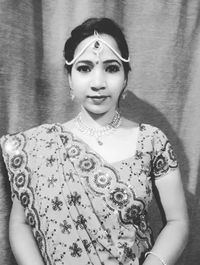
(173, 238)
(21, 238)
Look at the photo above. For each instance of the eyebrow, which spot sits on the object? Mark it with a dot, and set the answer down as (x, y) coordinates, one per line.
(104, 62)
(112, 61)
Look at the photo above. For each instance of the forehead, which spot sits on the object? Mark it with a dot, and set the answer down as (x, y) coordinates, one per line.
(106, 52)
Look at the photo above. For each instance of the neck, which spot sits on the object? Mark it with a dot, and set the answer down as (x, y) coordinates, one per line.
(97, 120)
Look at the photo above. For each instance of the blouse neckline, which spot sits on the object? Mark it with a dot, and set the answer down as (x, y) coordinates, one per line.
(91, 150)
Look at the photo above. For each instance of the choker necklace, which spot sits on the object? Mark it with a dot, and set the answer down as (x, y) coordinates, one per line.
(98, 133)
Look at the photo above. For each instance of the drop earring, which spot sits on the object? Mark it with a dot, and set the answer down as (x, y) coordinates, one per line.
(124, 94)
(72, 94)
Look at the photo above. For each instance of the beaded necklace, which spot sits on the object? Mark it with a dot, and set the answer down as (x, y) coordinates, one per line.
(98, 133)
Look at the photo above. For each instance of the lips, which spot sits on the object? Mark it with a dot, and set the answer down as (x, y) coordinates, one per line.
(98, 99)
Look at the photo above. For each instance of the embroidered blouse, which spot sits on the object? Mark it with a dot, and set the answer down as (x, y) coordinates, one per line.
(83, 210)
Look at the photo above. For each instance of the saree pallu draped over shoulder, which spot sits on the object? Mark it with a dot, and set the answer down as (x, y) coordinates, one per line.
(81, 209)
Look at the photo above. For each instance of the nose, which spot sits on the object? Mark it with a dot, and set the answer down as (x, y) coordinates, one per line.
(98, 81)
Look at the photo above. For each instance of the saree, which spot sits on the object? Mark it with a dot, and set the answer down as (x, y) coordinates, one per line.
(82, 209)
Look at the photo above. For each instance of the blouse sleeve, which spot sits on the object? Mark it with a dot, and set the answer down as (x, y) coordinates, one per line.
(164, 159)
(18, 154)
(14, 159)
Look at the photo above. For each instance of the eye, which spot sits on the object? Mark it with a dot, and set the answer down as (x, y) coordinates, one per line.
(113, 68)
(84, 68)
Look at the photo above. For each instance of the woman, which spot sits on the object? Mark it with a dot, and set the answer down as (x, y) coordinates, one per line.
(81, 190)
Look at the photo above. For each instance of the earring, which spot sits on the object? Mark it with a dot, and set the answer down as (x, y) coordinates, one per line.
(72, 94)
(124, 94)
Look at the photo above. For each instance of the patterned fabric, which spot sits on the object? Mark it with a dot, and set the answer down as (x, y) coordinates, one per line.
(83, 210)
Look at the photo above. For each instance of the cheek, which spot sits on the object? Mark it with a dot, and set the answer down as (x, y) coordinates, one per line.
(78, 81)
(117, 84)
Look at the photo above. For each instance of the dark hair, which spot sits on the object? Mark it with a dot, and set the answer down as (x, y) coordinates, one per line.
(102, 26)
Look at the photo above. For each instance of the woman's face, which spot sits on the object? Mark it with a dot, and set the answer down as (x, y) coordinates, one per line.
(97, 79)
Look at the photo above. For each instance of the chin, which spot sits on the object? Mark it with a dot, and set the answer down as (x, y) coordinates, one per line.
(97, 110)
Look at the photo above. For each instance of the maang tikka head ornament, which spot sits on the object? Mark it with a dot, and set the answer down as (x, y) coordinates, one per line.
(97, 42)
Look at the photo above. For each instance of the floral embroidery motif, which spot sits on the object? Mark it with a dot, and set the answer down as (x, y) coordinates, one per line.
(69, 177)
(80, 222)
(50, 161)
(75, 250)
(87, 245)
(164, 160)
(136, 216)
(50, 143)
(128, 252)
(98, 197)
(74, 198)
(172, 156)
(56, 204)
(52, 129)
(51, 181)
(160, 165)
(64, 139)
(133, 214)
(65, 227)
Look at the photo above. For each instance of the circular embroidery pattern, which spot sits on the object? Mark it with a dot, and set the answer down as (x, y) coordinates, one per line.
(19, 180)
(102, 180)
(24, 198)
(31, 219)
(17, 161)
(120, 197)
(87, 164)
(74, 151)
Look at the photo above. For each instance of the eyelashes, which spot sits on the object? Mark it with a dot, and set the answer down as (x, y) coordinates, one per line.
(112, 68)
(84, 68)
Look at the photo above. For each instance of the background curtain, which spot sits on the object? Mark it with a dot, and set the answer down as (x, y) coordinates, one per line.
(163, 88)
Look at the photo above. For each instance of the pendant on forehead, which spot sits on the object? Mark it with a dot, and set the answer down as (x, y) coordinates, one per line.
(97, 44)
(97, 47)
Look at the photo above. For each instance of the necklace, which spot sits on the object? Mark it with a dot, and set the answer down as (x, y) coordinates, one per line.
(98, 133)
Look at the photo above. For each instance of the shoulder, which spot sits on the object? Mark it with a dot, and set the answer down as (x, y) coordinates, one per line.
(154, 132)
(43, 128)
(151, 129)
(27, 137)
(146, 128)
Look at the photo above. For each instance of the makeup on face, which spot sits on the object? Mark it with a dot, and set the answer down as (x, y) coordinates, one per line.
(97, 76)
(108, 65)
